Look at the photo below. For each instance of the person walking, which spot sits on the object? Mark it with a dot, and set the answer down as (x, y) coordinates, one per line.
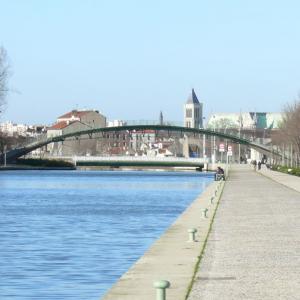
(259, 165)
(254, 164)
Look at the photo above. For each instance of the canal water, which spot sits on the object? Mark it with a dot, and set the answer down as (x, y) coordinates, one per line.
(72, 234)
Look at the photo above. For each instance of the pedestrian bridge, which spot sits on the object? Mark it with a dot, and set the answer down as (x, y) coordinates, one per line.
(43, 141)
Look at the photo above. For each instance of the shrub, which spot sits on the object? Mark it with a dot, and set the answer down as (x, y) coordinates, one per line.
(44, 163)
(288, 170)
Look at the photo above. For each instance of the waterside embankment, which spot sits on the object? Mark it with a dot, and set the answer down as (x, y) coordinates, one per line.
(34, 168)
(172, 257)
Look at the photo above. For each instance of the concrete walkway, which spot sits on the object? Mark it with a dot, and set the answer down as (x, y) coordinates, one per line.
(253, 250)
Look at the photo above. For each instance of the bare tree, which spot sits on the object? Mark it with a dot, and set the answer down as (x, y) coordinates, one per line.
(289, 133)
(4, 73)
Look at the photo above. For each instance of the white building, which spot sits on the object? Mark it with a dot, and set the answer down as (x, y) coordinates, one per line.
(193, 112)
(245, 120)
(12, 129)
(115, 123)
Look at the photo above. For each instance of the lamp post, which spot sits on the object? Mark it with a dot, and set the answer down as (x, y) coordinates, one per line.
(240, 128)
(214, 144)
(239, 146)
(204, 141)
(225, 129)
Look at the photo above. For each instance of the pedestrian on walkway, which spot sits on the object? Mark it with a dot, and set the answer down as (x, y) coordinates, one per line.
(259, 165)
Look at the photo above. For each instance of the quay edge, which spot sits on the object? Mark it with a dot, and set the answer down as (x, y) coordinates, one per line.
(172, 257)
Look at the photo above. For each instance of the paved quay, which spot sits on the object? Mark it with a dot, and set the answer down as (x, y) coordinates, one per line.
(172, 257)
(253, 250)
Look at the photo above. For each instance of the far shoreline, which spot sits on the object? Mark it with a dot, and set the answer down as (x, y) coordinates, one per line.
(16, 167)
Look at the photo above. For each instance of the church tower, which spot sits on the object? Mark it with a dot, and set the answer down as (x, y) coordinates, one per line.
(193, 112)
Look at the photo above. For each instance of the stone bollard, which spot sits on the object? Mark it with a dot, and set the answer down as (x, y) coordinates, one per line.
(216, 192)
(204, 212)
(161, 286)
(212, 200)
(192, 233)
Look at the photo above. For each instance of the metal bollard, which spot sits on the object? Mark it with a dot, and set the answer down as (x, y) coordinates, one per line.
(204, 213)
(161, 286)
(192, 233)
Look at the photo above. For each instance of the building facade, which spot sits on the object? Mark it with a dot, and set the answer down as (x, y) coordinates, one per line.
(245, 120)
(75, 120)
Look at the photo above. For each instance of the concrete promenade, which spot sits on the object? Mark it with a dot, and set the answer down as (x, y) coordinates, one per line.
(253, 250)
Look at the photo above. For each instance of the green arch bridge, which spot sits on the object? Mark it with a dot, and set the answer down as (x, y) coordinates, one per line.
(13, 154)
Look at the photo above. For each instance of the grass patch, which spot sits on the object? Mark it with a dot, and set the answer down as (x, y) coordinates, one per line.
(287, 170)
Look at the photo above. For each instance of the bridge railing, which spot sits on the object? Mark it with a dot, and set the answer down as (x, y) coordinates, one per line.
(38, 139)
(152, 122)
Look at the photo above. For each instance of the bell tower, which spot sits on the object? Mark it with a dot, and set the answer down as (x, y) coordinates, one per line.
(193, 112)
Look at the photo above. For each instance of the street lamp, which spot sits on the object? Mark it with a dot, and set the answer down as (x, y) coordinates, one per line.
(225, 129)
(204, 141)
(240, 128)
(214, 157)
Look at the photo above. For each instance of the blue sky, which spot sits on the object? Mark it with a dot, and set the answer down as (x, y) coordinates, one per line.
(131, 59)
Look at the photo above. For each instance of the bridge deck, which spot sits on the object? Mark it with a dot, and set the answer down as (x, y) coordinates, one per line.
(253, 248)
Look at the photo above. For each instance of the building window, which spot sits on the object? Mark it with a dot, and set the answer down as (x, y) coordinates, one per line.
(188, 113)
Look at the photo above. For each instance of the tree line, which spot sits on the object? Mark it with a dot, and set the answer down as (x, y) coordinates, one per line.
(287, 139)
(4, 73)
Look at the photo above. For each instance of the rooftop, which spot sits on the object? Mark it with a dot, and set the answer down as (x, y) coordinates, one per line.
(60, 125)
(75, 114)
(193, 98)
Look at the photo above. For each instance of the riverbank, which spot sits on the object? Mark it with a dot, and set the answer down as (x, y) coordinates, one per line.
(95, 168)
(172, 257)
(38, 164)
(31, 168)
